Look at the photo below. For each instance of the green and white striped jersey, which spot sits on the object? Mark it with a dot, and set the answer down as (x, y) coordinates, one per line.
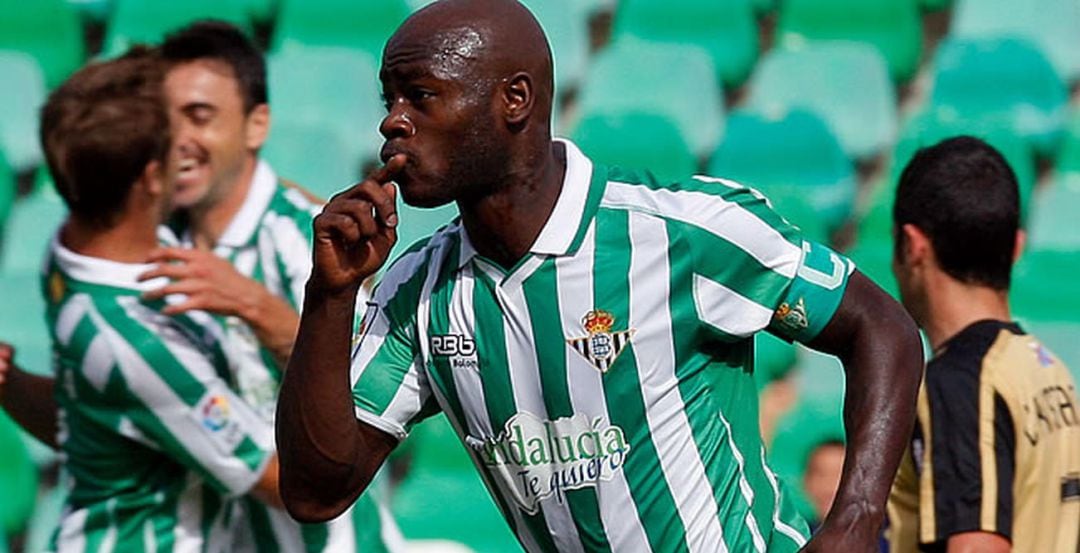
(155, 442)
(269, 240)
(603, 385)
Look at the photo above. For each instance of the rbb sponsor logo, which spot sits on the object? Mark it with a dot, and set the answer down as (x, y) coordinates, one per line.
(452, 345)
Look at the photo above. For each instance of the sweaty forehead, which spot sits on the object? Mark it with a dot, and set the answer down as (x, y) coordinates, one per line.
(446, 53)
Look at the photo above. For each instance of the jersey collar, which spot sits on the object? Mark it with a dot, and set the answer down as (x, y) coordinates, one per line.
(578, 200)
(241, 229)
(94, 270)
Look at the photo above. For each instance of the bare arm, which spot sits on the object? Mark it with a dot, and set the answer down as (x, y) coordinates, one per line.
(327, 456)
(879, 346)
(28, 398)
(213, 284)
(978, 542)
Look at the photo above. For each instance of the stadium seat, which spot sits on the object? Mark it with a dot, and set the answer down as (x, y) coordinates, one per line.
(669, 79)
(1068, 157)
(1054, 217)
(442, 497)
(93, 10)
(335, 88)
(795, 161)
(568, 33)
(1007, 79)
(893, 26)
(1044, 284)
(726, 29)
(363, 25)
(34, 219)
(313, 155)
(24, 92)
(773, 358)
(18, 479)
(148, 21)
(415, 223)
(845, 83)
(935, 5)
(7, 196)
(1054, 25)
(636, 140)
(48, 30)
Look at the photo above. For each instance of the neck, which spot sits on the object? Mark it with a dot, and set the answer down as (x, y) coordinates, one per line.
(504, 224)
(208, 222)
(129, 241)
(957, 305)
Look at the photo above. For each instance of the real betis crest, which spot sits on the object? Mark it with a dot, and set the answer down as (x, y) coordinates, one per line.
(602, 346)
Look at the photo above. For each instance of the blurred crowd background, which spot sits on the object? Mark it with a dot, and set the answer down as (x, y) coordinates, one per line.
(816, 103)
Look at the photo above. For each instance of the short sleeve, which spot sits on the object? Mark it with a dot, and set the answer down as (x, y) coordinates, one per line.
(753, 270)
(390, 388)
(968, 468)
(180, 405)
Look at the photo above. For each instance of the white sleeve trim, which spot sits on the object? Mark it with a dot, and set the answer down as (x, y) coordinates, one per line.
(384, 424)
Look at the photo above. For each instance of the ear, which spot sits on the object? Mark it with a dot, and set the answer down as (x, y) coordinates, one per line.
(518, 97)
(1021, 242)
(257, 126)
(153, 179)
(916, 248)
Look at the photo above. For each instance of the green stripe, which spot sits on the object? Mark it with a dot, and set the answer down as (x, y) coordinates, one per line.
(597, 185)
(622, 390)
(262, 528)
(728, 264)
(211, 507)
(495, 380)
(366, 524)
(713, 378)
(540, 289)
(97, 524)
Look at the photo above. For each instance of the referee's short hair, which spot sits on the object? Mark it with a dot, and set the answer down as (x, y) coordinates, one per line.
(100, 129)
(211, 39)
(962, 193)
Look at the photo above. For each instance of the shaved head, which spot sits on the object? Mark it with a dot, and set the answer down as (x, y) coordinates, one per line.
(468, 87)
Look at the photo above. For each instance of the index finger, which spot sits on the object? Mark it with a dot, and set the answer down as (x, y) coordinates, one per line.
(165, 254)
(373, 190)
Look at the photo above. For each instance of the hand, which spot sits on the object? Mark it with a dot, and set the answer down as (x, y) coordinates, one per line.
(355, 231)
(210, 283)
(7, 364)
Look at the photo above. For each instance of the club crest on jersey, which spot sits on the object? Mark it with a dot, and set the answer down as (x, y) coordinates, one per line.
(792, 318)
(602, 346)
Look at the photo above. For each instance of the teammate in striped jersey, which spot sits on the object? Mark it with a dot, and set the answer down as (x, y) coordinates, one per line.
(587, 330)
(156, 443)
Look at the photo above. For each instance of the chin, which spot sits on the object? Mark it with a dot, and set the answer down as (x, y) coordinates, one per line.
(418, 195)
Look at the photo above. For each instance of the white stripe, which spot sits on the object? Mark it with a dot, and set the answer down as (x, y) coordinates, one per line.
(172, 411)
(669, 426)
(781, 526)
(188, 533)
(524, 370)
(149, 539)
(295, 250)
(72, 533)
(389, 532)
(724, 219)
(97, 363)
(411, 395)
(69, 317)
(108, 541)
(727, 310)
(618, 512)
(744, 487)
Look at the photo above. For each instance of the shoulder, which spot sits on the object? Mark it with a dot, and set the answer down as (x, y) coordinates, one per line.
(957, 369)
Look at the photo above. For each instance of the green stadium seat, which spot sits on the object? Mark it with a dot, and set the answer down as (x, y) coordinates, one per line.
(93, 10)
(18, 479)
(568, 33)
(148, 21)
(363, 25)
(1007, 79)
(935, 5)
(336, 88)
(443, 497)
(893, 26)
(8, 191)
(795, 161)
(1053, 216)
(1068, 157)
(636, 140)
(34, 219)
(1044, 284)
(1054, 25)
(48, 30)
(24, 93)
(313, 155)
(673, 80)
(845, 83)
(726, 29)
(415, 223)
(773, 358)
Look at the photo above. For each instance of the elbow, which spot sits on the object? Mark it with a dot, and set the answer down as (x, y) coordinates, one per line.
(310, 510)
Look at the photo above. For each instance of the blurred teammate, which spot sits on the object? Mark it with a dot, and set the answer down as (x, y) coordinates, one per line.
(155, 441)
(994, 463)
(587, 331)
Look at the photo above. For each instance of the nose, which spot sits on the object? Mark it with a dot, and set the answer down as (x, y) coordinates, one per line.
(397, 124)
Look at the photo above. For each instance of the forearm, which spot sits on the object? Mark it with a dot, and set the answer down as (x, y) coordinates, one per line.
(320, 444)
(274, 322)
(883, 370)
(28, 399)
